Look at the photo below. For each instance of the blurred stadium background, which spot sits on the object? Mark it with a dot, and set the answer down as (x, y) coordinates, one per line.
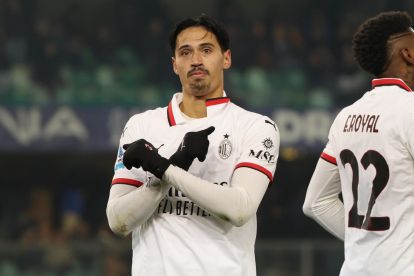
(72, 72)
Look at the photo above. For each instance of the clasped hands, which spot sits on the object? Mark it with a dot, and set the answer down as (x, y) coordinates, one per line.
(142, 153)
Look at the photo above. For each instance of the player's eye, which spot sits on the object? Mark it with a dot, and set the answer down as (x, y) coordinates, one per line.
(184, 52)
(207, 50)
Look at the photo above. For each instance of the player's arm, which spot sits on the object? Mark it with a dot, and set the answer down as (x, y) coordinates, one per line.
(322, 201)
(131, 200)
(129, 206)
(235, 204)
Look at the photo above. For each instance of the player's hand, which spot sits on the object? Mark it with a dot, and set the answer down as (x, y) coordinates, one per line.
(194, 145)
(142, 153)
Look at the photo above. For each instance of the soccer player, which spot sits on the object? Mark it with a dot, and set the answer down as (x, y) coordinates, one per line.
(189, 177)
(369, 157)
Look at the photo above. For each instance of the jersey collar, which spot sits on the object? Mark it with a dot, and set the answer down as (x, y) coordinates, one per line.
(390, 81)
(214, 106)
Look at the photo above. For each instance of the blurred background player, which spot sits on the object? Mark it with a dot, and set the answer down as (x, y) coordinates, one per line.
(369, 157)
(195, 212)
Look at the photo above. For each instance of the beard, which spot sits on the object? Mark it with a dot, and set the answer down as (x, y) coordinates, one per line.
(199, 87)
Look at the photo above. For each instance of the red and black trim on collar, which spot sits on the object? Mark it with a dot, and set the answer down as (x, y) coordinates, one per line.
(257, 168)
(390, 81)
(127, 181)
(328, 158)
(215, 101)
(170, 115)
(209, 102)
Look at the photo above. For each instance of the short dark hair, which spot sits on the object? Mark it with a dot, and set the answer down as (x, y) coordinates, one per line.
(369, 43)
(201, 21)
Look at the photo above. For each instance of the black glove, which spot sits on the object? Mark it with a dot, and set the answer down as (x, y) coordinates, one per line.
(142, 153)
(194, 145)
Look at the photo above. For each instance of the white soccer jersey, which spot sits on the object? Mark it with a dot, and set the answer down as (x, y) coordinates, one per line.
(372, 143)
(180, 238)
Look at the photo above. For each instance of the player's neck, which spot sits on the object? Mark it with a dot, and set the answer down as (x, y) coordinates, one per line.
(194, 109)
(399, 69)
(195, 106)
(405, 75)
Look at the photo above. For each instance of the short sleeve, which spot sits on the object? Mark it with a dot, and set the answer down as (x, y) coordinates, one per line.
(328, 154)
(261, 147)
(135, 177)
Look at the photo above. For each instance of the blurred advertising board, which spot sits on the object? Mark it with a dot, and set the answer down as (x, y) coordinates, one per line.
(85, 129)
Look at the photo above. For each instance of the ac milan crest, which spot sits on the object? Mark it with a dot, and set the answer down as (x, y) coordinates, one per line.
(225, 147)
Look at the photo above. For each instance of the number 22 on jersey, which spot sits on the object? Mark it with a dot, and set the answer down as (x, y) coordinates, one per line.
(370, 157)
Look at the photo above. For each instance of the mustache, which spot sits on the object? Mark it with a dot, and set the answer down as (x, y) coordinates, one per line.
(197, 68)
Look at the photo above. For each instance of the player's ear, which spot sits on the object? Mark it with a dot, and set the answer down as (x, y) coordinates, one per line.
(174, 65)
(407, 55)
(227, 59)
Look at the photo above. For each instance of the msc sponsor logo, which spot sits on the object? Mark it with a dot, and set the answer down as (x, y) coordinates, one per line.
(263, 155)
(268, 143)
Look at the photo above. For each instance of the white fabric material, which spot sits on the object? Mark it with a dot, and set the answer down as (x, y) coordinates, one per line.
(176, 232)
(236, 203)
(375, 160)
(129, 207)
(322, 201)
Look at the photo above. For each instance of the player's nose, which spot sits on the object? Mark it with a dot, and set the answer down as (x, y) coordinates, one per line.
(197, 59)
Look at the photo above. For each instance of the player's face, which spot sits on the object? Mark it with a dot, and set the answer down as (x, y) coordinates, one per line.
(199, 62)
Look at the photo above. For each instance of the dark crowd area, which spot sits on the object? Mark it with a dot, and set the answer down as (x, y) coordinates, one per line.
(294, 54)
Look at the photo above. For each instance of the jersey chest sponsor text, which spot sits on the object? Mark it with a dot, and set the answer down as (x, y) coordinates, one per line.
(263, 155)
(176, 203)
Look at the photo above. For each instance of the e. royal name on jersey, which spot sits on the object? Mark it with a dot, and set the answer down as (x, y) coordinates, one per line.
(361, 123)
